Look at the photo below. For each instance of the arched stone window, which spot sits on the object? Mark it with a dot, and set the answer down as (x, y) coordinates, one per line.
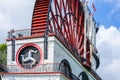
(83, 76)
(65, 68)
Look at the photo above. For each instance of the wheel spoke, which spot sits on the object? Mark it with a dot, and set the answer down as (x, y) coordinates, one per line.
(68, 23)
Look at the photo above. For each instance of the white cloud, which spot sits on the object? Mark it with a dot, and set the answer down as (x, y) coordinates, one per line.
(4, 23)
(109, 48)
(15, 14)
(4, 20)
(113, 69)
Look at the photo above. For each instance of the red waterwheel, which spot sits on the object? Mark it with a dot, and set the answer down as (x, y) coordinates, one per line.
(39, 20)
(65, 19)
(67, 22)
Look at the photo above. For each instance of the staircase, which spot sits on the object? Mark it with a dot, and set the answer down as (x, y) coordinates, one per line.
(39, 20)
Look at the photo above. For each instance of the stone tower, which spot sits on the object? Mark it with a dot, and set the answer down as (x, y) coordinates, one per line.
(60, 45)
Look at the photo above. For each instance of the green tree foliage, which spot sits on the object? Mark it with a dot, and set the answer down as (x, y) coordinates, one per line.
(3, 54)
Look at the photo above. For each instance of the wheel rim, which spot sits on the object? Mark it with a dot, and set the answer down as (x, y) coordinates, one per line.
(66, 20)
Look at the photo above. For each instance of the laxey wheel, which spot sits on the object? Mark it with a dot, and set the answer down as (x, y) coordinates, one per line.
(65, 19)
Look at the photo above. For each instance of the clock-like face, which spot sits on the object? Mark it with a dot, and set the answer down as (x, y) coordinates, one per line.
(29, 57)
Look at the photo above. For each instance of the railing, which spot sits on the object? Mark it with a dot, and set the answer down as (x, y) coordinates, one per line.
(19, 33)
(42, 68)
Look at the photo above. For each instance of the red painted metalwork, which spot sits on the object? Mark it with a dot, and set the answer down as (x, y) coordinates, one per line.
(39, 20)
(65, 18)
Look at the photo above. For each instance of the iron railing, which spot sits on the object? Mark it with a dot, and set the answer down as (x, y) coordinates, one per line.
(19, 33)
(42, 68)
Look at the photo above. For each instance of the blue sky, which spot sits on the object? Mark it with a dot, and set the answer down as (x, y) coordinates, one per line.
(108, 37)
(17, 14)
(108, 12)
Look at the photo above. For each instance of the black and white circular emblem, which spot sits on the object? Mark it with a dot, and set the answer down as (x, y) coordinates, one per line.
(29, 57)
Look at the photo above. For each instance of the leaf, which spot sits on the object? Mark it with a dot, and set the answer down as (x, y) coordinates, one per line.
(3, 54)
